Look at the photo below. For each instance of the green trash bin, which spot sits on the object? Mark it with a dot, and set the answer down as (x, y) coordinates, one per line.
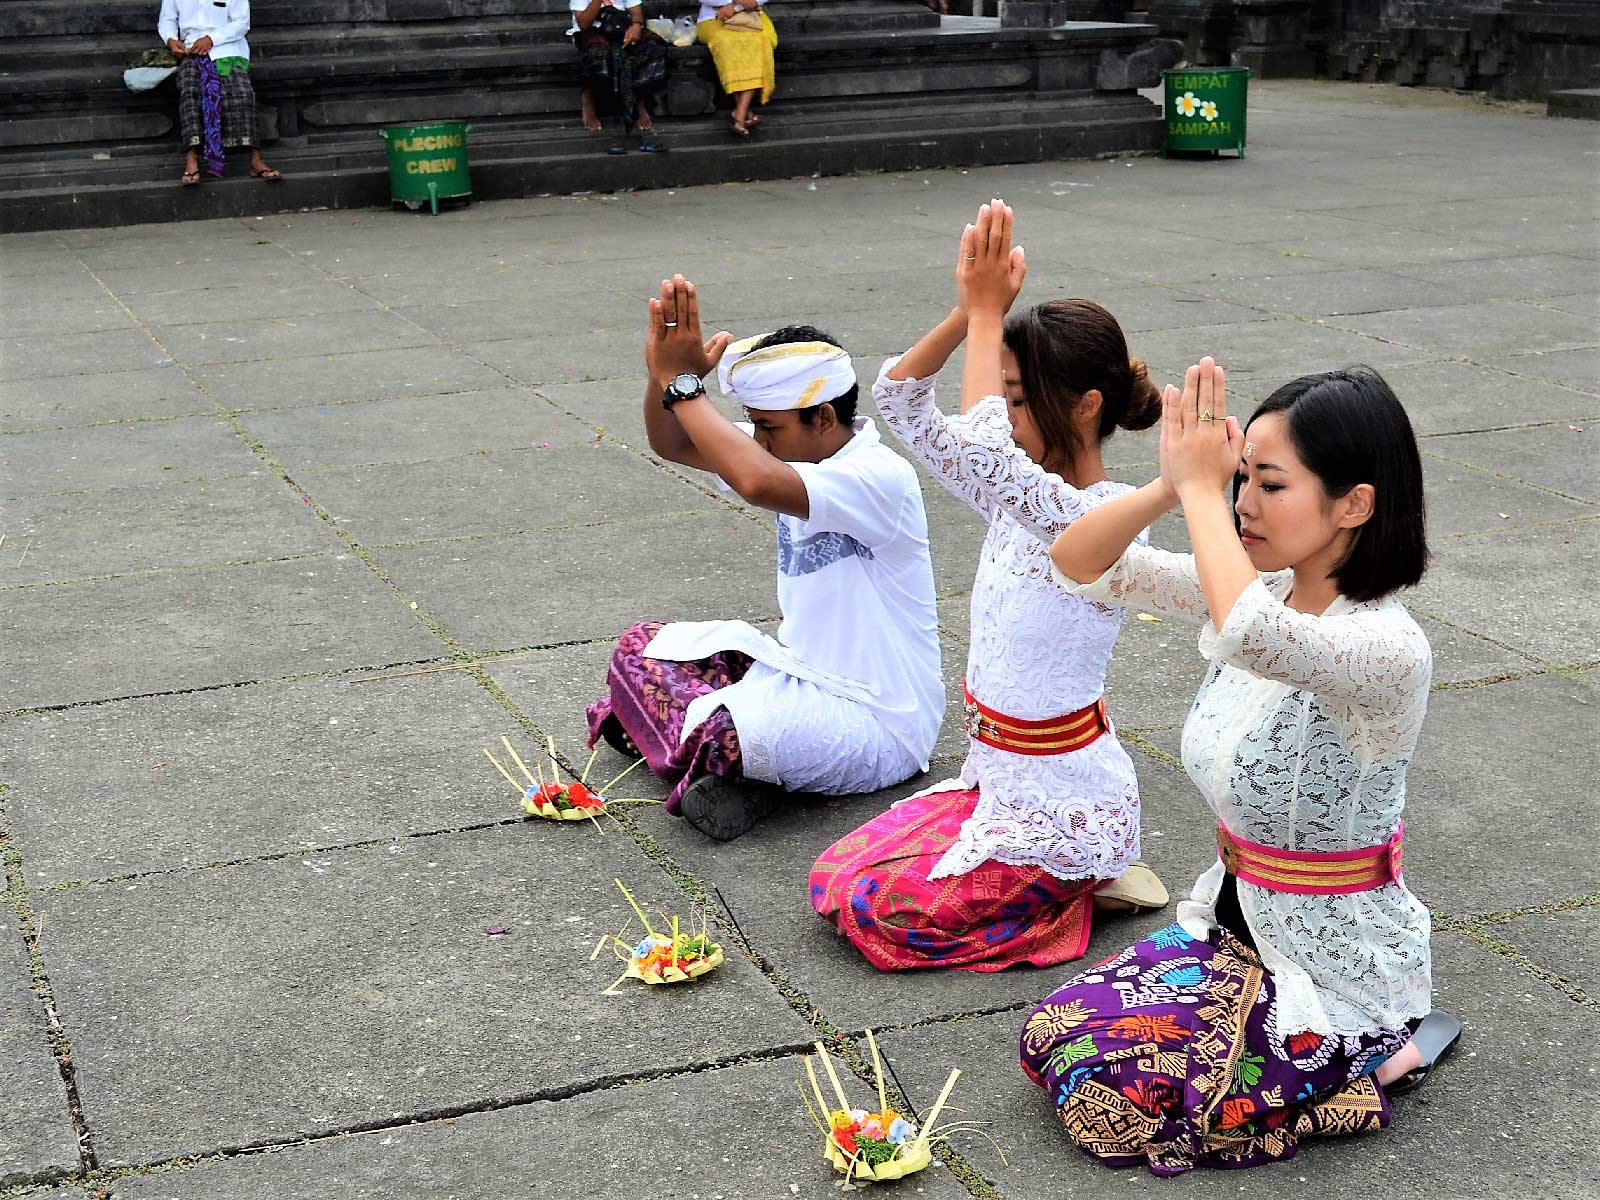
(427, 164)
(1205, 108)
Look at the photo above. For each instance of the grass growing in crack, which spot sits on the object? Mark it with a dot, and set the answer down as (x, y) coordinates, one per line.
(15, 897)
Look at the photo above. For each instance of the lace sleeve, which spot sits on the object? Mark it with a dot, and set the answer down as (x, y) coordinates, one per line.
(1364, 658)
(908, 409)
(1150, 580)
(974, 454)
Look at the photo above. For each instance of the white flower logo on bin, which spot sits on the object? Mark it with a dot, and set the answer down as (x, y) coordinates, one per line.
(1208, 109)
(1186, 104)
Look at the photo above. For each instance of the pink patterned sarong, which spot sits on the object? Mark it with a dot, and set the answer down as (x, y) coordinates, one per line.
(648, 698)
(874, 886)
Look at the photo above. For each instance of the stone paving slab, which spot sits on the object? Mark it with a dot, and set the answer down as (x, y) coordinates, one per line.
(1539, 784)
(1540, 275)
(1467, 496)
(94, 315)
(47, 355)
(310, 297)
(763, 877)
(411, 429)
(504, 593)
(227, 1007)
(738, 1133)
(1562, 942)
(158, 633)
(291, 337)
(271, 269)
(1562, 457)
(1453, 397)
(167, 525)
(80, 399)
(1481, 330)
(36, 1135)
(1281, 349)
(574, 482)
(125, 454)
(1554, 618)
(324, 379)
(1578, 369)
(223, 775)
(1445, 1140)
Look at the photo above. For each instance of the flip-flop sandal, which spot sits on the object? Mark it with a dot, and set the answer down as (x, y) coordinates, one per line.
(1434, 1037)
(270, 175)
(739, 130)
(191, 178)
(1138, 886)
(649, 145)
(616, 148)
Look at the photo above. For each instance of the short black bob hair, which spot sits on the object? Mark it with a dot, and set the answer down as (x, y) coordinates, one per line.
(844, 407)
(1348, 428)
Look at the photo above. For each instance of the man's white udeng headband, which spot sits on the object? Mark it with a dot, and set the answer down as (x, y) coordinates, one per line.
(786, 376)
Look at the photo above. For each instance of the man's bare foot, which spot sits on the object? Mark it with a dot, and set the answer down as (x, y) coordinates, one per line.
(191, 169)
(642, 121)
(259, 168)
(591, 118)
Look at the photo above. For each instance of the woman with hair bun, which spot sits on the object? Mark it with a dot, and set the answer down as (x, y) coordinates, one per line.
(1291, 998)
(1008, 862)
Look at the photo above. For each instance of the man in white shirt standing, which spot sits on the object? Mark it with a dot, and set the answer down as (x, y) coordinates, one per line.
(848, 697)
(216, 103)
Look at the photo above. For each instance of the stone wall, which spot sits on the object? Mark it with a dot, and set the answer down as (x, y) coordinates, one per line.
(1516, 49)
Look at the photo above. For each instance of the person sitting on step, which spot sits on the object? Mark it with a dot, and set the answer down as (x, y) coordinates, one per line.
(216, 103)
(848, 696)
(622, 66)
(742, 39)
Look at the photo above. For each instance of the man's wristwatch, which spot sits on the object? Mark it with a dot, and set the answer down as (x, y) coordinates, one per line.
(684, 387)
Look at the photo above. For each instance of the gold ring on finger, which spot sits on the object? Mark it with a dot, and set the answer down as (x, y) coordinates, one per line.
(1206, 416)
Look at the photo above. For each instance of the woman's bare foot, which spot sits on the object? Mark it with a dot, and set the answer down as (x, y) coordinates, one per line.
(259, 168)
(191, 169)
(1407, 1060)
(642, 120)
(591, 118)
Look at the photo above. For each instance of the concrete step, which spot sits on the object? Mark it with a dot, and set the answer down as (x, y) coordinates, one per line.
(1582, 103)
(508, 163)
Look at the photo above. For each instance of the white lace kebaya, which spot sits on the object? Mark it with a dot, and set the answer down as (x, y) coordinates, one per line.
(1299, 738)
(1036, 652)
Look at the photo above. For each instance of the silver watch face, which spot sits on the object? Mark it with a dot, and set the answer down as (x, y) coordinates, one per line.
(684, 385)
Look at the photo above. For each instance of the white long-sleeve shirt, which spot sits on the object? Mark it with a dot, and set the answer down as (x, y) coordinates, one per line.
(225, 22)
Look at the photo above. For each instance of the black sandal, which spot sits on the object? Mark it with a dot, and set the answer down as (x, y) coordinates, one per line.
(190, 178)
(1434, 1037)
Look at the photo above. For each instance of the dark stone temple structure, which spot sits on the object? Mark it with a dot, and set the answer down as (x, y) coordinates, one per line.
(862, 85)
(1514, 49)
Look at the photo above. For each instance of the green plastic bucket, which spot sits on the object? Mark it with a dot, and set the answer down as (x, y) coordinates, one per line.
(428, 163)
(1205, 108)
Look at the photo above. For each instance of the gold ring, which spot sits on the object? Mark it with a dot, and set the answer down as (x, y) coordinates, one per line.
(972, 258)
(1206, 416)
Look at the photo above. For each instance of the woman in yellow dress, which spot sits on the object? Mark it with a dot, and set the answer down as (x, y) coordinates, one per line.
(741, 39)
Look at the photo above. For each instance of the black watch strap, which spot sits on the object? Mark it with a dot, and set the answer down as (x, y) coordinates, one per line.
(683, 387)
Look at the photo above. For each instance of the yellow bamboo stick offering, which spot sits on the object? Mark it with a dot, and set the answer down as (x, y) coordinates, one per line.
(671, 957)
(874, 1147)
(517, 758)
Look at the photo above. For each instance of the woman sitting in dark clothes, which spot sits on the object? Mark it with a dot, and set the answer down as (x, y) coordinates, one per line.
(621, 65)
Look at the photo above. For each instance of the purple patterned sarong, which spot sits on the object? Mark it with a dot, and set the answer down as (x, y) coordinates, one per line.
(1169, 1055)
(210, 113)
(648, 697)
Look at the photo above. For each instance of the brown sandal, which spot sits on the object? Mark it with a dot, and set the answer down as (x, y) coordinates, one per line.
(190, 178)
(269, 174)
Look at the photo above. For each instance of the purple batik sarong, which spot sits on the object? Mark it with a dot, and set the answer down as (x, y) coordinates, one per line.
(648, 697)
(1169, 1054)
(210, 113)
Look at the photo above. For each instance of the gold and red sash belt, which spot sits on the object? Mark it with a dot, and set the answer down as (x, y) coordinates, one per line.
(1054, 735)
(1306, 872)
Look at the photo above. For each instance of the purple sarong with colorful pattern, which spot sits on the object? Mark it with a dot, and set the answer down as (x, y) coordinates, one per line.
(648, 696)
(1169, 1054)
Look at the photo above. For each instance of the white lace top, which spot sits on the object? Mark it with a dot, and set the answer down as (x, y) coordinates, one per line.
(1299, 738)
(1035, 651)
